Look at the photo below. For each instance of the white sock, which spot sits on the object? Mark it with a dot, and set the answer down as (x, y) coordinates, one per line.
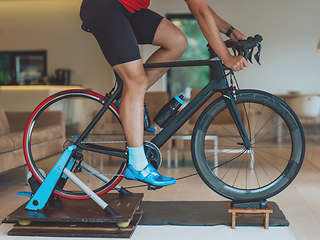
(137, 158)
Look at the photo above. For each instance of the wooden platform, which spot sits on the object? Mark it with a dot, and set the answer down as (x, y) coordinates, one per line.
(72, 218)
(250, 212)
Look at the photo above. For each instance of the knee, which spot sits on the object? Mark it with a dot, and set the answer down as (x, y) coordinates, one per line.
(133, 75)
(136, 80)
(179, 43)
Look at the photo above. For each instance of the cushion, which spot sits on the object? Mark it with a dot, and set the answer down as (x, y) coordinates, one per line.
(39, 135)
(6, 144)
(4, 124)
(49, 133)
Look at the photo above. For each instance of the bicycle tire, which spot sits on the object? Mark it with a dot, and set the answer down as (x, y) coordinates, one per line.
(90, 101)
(217, 175)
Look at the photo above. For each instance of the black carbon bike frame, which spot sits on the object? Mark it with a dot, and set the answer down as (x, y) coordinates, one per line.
(217, 83)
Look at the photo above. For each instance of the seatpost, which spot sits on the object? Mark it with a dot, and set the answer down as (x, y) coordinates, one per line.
(117, 88)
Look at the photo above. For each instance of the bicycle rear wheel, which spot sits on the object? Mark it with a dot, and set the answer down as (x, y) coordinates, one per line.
(74, 109)
(277, 153)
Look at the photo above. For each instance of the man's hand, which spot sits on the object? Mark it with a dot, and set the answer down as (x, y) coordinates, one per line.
(236, 35)
(236, 63)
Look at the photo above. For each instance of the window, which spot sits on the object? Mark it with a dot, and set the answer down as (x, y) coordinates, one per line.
(181, 80)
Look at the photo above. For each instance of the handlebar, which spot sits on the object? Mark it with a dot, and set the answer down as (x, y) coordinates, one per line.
(245, 48)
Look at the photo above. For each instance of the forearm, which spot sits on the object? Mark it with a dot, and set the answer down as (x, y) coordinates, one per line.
(210, 29)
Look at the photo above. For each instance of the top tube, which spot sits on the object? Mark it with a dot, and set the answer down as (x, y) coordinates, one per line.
(189, 63)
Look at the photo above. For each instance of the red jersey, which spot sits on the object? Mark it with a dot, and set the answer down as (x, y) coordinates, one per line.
(135, 5)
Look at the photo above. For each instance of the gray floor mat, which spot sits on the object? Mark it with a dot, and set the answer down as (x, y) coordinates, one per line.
(202, 214)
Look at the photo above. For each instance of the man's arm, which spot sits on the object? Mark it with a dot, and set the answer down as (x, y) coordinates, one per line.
(211, 24)
(224, 26)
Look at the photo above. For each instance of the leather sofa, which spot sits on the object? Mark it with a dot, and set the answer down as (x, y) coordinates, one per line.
(48, 137)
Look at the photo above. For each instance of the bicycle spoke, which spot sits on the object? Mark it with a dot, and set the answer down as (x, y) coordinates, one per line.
(269, 163)
(229, 161)
(248, 121)
(256, 122)
(237, 173)
(255, 173)
(263, 169)
(247, 173)
(273, 155)
(265, 123)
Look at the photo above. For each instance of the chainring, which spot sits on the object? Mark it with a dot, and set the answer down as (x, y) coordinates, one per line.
(153, 154)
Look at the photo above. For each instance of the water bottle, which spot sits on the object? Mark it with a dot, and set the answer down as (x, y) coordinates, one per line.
(168, 111)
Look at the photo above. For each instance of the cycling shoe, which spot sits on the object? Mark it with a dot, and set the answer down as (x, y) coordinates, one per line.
(148, 175)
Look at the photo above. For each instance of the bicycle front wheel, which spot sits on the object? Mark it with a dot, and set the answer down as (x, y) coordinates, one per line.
(57, 122)
(240, 174)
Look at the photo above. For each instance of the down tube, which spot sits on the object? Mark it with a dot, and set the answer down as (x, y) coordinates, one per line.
(163, 136)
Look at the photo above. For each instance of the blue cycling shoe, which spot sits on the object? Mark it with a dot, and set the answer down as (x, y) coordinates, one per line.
(148, 175)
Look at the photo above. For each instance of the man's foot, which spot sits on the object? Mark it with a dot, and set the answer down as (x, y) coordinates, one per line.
(148, 175)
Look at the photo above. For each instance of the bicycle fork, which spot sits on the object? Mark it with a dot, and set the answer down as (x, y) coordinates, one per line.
(229, 99)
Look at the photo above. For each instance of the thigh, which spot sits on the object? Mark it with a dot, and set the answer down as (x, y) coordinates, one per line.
(169, 36)
(145, 24)
(108, 22)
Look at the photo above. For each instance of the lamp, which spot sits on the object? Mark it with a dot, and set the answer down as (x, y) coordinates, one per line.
(318, 48)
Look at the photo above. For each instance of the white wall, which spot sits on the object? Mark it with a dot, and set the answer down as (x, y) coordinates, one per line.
(290, 29)
(291, 33)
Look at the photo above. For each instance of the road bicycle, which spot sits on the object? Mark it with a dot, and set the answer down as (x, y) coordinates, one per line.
(255, 157)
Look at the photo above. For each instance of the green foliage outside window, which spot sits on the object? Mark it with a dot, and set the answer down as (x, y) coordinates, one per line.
(4, 69)
(190, 77)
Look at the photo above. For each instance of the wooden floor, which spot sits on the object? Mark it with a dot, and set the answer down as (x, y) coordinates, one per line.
(299, 201)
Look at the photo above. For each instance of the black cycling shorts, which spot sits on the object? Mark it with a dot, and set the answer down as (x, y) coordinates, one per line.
(117, 30)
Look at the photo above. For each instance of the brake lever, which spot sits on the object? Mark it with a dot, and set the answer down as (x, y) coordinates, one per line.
(234, 51)
(250, 55)
(257, 55)
(241, 52)
(246, 53)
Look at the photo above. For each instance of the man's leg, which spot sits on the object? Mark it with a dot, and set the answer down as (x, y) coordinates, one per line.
(131, 115)
(172, 42)
(132, 99)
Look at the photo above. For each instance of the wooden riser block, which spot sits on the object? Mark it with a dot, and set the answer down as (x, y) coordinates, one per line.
(250, 212)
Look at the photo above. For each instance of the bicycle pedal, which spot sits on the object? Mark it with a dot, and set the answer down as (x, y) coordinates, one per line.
(152, 187)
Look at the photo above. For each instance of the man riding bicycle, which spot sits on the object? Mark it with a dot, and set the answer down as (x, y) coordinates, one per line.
(119, 26)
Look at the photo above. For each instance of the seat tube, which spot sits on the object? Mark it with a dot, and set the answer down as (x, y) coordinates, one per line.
(229, 100)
